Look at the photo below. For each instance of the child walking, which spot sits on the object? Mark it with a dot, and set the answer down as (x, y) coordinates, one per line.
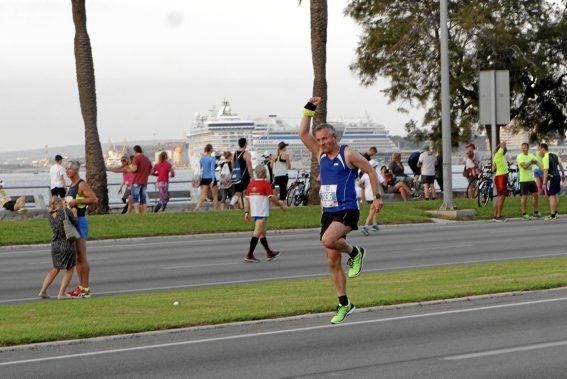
(257, 204)
(62, 250)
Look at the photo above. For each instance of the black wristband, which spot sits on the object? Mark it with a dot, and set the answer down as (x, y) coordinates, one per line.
(310, 106)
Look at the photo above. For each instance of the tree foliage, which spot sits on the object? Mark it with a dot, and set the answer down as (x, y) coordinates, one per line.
(400, 41)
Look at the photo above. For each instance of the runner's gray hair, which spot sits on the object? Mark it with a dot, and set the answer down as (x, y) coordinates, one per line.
(260, 171)
(329, 127)
(75, 165)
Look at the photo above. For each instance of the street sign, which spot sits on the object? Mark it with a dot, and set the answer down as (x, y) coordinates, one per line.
(494, 91)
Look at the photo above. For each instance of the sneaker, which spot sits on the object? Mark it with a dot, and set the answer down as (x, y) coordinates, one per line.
(342, 312)
(271, 256)
(364, 230)
(375, 228)
(75, 292)
(551, 218)
(537, 215)
(85, 293)
(499, 219)
(251, 259)
(526, 217)
(355, 263)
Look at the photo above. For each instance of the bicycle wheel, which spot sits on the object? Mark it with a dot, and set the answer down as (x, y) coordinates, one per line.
(290, 194)
(472, 189)
(484, 193)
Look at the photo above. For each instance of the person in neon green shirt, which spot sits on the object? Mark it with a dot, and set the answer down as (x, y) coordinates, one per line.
(526, 162)
(500, 166)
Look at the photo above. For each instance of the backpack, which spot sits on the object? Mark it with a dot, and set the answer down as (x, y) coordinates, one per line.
(226, 175)
(237, 171)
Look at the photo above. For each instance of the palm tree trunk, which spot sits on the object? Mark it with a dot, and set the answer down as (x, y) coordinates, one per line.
(319, 56)
(96, 170)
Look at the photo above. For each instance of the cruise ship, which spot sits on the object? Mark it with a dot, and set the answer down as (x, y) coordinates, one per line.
(223, 128)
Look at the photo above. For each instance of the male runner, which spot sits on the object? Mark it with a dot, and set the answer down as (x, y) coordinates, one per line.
(553, 175)
(339, 167)
(526, 161)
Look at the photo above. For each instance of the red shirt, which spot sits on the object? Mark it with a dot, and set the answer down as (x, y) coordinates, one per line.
(162, 171)
(258, 193)
(143, 170)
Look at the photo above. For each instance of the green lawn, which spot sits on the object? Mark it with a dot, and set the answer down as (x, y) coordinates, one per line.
(56, 320)
(162, 224)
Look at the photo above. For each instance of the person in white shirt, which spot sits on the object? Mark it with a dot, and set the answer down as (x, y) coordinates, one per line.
(57, 175)
(257, 206)
(372, 219)
(427, 162)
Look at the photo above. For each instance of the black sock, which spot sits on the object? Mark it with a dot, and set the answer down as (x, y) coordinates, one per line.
(157, 207)
(125, 209)
(253, 243)
(554, 214)
(343, 300)
(523, 214)
(354, 252)
(163, 207)
(264, 243)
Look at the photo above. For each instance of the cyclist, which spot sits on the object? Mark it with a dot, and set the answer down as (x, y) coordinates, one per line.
(500, 166)
(339, 166)
(526, 161)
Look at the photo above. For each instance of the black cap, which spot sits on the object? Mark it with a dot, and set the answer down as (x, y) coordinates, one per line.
(282, 144)
(58, 157)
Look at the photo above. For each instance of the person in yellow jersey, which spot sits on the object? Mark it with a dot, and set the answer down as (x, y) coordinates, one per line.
(553, 175)
(79, 197)
(500, 166)
(527, 162)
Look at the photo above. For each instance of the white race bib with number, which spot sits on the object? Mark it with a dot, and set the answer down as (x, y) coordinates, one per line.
(328, 194)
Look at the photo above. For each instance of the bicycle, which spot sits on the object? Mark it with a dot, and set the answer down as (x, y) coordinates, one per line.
(484, 186)
(513, 180)
(298, 191)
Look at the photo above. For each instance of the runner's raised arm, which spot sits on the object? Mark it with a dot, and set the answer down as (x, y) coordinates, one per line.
(305, 125)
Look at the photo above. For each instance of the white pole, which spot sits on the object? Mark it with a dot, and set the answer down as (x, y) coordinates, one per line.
(445, 110)
(493, 113)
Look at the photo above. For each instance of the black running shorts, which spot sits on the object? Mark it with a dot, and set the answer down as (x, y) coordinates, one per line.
(348, 217)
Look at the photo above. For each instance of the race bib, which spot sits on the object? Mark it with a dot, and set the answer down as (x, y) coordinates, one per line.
(328, 194)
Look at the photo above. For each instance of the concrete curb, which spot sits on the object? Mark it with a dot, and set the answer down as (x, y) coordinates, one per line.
(35, 346)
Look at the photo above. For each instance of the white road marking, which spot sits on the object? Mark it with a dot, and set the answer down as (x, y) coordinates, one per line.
(505, 351)
(279, 332)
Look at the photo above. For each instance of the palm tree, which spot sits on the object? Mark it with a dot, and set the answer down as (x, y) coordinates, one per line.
(319, 19)
(96, 170)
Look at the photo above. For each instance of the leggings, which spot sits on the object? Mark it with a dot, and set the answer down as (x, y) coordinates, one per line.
(281, 181)
(163, 188)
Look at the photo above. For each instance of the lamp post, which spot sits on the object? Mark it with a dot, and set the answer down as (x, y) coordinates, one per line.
(445, 110)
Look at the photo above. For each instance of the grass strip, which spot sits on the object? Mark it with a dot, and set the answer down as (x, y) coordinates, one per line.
(110, 315)
(182, 223)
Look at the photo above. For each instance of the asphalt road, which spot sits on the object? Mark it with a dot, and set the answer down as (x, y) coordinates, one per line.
(123, 266)
(521, 336)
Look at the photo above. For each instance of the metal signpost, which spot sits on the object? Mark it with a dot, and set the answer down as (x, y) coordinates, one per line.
(494, 101)
(445, 111)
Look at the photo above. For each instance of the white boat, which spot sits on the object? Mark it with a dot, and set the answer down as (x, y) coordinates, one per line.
(221, 129)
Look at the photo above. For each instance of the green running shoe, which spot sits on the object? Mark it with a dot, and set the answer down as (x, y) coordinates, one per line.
(342, 312)
(526, 217)
(355, 263)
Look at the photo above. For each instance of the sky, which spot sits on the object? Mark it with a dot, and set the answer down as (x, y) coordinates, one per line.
(158, 62)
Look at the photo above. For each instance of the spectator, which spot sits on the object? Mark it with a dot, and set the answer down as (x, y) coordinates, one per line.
(526, 161)
(142, 168)
(439, 169)
(371, 219)
(163, 170)
(553, 175)
(386, 179)
(241, 171)
(427, 162)
(127, 179)
(397, 168)
(226, 188)
(500, 166)
(208, 179)
(17, 205)
(281, 163)
(471, 171)
(477, 159)
(62, 250)
(57, 175)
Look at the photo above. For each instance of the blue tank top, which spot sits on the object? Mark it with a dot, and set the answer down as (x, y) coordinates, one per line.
(337, 190)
